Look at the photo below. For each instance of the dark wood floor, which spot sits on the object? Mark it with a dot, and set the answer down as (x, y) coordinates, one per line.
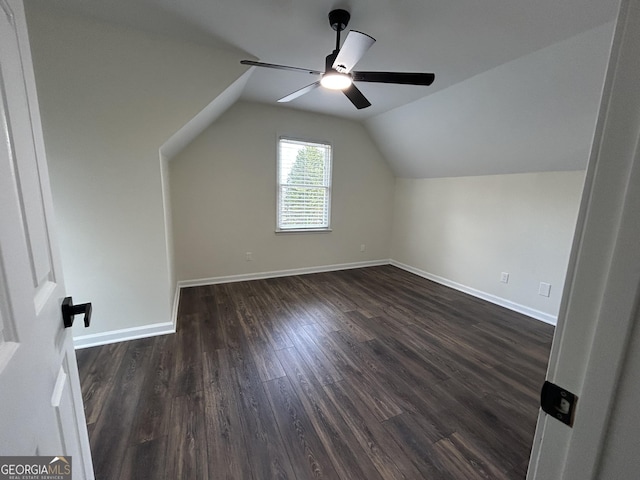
(361, 374)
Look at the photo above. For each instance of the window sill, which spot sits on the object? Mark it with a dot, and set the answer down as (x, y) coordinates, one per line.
(304, 230)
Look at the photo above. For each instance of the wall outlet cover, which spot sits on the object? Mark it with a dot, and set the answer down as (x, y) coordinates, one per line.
(544, 289)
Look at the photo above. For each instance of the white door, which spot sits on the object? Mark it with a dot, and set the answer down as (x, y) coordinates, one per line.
(41, 410)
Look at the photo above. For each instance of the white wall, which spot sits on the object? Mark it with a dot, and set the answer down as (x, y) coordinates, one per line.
(223, 196)
(468, 230)
(109, 98)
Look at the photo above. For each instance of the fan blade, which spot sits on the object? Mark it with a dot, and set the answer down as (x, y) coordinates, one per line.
(299, 93)
(280, 67)
(353, 49)
(356, 97)
(403, 78)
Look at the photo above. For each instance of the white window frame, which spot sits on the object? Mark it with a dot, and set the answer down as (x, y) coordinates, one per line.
(327, 185)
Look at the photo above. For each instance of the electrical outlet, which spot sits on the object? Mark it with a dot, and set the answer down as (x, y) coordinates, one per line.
(544, 289)
(248, 256)
(504, 277)
(363, 247)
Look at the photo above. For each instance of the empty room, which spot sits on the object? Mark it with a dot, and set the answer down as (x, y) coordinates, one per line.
(345, 240)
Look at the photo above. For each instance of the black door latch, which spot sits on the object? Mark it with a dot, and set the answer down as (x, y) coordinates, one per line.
(69, 310)
(558, 402)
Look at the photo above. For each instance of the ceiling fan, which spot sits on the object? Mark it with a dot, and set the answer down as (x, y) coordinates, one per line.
(338, 74)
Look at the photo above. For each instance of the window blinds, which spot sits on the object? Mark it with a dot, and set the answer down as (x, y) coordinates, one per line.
(304, 185)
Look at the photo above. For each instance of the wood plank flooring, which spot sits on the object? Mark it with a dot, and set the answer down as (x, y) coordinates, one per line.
(362, 374)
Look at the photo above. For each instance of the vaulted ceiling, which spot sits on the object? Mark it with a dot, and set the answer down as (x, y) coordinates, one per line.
(538, 63)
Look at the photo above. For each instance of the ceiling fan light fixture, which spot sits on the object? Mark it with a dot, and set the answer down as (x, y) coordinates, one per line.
(336, 81)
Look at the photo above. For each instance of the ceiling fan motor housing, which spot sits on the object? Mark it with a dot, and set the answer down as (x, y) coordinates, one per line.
(339, 19)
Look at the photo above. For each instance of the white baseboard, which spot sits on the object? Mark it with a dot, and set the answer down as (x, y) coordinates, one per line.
(279, 273)
(124, 334)
(516, 307)
(153, 330)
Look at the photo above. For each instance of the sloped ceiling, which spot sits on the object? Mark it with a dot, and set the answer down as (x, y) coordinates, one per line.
(473, 48)
(534, 114)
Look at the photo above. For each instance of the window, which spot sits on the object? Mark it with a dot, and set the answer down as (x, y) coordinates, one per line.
(304, 185)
